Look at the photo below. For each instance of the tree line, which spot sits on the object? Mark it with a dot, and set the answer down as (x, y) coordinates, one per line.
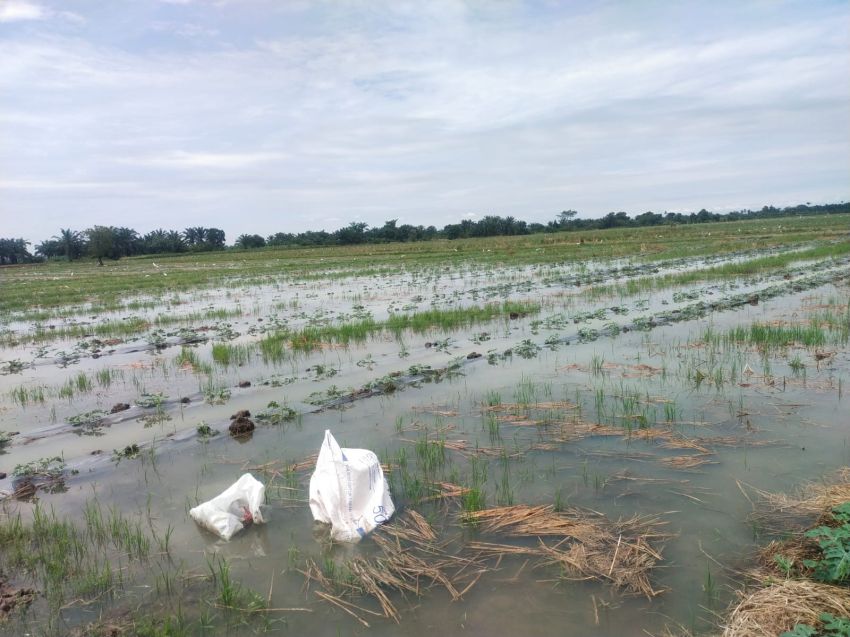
(494, 226)
(110, 242)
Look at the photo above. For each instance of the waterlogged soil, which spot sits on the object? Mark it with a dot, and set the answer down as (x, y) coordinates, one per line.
(620, 402)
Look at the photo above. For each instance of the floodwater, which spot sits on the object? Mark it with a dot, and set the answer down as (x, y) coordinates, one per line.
(685, 430)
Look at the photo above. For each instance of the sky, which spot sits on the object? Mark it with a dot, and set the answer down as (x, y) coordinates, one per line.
(259, 116)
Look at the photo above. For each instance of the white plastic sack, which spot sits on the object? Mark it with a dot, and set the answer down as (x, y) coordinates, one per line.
(348, 491)
(228, 513)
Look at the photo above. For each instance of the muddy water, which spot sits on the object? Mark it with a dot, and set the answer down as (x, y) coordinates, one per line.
(766, 428)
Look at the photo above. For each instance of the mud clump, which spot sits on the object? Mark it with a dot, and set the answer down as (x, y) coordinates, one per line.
(119, 407)
(24, 489)
(241, 423)
(241, 427)
(245, 383)
(11, 597)
(473, 356)
(185, 400)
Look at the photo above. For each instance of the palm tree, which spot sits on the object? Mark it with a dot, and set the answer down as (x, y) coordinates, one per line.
(49, 248)
(154, 241)
(126, 241)
(175, 241)
(195, 236)
(71, 242)
(160, 241)
(14, 251)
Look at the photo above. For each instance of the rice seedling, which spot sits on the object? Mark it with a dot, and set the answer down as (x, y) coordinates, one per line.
(771, 337)
(493, 427)
(226, 354)
(525, 393)
(187, 358)
(596, 364)
(23, 395)
(797, 366)
(560, 503)
(431, 454)
(326, 322)
(504, 488)
(273, 347)
(105, 377)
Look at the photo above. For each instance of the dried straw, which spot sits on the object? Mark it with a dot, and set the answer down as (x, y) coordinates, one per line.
(779, 511)
(445, 490)
(410, 560)
(814, 498)
(779, 607)
(585, 544)
(686, 462)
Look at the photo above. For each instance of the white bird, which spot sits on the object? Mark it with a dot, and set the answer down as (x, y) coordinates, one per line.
(154, 265)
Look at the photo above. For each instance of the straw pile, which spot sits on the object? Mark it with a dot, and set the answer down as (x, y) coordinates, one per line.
(777, 608)
(410, 561)
(586, 545)
(445, 490)
(686, 462)
(795, 550)
(814, 498)
(780, 511)
(780, 606)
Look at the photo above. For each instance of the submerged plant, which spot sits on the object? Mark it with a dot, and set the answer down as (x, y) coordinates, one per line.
(150, 401)
(15, 366)
(127, 453)
(527, 349)
(88, 418)
(215, 395)
(834, 565)
(832, 627)
(277, 414)
(206, 432)
(50, 468)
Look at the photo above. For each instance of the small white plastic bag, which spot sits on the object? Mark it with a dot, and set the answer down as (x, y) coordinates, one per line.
(230, 512)
(348, 491)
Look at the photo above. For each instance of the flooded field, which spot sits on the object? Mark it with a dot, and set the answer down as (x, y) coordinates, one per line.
(574, 428)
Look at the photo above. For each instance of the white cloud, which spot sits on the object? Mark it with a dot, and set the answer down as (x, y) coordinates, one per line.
(430, 112)
(44, 185)
(17, 10)
(184, 159)
(182, 29)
